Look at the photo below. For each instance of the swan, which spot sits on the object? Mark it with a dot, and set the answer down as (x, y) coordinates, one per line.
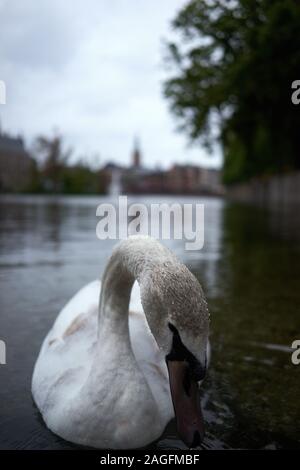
(111, 376)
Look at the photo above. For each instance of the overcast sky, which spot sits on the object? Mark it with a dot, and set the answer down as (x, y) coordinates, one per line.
(92, 69)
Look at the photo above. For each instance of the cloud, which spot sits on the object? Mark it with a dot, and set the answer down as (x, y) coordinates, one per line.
(36, 35)
(93, 69)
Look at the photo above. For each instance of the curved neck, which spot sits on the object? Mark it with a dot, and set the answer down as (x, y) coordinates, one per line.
(131, 260)
(116, 288)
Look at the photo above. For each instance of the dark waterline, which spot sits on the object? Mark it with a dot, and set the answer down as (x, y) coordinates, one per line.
(250, 270)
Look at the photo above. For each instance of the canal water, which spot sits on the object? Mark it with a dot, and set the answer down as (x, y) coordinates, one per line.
(250, 270)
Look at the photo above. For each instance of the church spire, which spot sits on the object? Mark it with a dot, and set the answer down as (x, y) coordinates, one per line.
(136, 156)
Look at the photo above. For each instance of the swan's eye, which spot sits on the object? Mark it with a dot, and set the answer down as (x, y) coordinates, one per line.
(179, 352)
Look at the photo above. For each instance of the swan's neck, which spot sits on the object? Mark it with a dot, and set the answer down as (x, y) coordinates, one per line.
(117, 283)
(163, 283)
(170, 294)
(132, 260)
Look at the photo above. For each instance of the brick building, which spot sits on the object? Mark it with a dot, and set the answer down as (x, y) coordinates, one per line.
(15, 164)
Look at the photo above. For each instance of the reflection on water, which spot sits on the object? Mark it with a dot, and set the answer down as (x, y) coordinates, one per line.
(250, 270)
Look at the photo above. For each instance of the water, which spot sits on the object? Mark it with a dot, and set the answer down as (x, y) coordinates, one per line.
(250, 270)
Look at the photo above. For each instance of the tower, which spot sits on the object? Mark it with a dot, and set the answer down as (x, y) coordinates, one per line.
(136, 155)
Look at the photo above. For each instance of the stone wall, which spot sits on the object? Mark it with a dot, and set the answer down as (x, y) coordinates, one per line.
(275, 190)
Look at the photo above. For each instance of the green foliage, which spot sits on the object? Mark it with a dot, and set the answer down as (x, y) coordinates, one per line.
(234, 64)
(55, 175)
(80, 179)
(54, 161)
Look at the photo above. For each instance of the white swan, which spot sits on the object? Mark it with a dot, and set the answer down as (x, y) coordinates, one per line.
(103, 381)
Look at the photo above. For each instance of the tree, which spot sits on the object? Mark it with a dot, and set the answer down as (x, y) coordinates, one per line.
(80, 179)
(234, 66)
(54, 173)
(54, 162)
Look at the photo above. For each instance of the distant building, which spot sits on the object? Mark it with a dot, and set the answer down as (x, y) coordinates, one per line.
(211, 181)
(144, 182)
(184, 179)
(15, 164)
(133, 178)
(136, 156)
(179, 179)
(192, 179)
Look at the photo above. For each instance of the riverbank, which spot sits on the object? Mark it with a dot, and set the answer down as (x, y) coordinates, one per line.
(277, 190)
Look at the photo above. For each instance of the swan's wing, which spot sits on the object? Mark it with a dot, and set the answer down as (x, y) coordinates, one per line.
(84, 301)
(67, 352)
(66, 355)
(150, 359)
(143, 343)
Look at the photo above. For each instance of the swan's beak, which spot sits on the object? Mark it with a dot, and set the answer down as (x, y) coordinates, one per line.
(186, 401)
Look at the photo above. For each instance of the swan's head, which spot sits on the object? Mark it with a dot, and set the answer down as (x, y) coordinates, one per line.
(179, 320)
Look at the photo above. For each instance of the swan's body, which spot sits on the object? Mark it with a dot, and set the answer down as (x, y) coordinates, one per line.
(65, 363)
(102, 384)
